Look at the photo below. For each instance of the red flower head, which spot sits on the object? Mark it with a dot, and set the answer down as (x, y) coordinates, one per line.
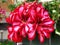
(27, 19)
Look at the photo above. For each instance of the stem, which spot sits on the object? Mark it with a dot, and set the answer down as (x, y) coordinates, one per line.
(50, 41)
(31, 42)
(1, 36)
(55, 26)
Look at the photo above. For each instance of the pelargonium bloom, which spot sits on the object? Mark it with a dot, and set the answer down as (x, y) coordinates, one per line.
(27, 19)
(2, 12)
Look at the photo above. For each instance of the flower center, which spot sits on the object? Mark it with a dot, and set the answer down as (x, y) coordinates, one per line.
(38, 20)
(24, 18)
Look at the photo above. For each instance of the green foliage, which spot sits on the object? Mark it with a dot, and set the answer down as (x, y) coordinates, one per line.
(3, 1)
(6, 42)
(54, 9)
(57, 31)
(12, 7)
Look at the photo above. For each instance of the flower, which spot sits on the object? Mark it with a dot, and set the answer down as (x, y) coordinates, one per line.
(27, 19)
(2, 13)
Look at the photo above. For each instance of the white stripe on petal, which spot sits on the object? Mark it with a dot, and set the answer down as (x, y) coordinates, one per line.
(16, 28)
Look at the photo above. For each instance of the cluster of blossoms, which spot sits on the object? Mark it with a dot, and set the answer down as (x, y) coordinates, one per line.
(29, 19)
(2, 13)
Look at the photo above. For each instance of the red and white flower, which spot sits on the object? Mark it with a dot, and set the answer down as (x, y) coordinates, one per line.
(27, 19)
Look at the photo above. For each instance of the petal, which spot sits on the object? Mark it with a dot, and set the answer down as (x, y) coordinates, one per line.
(32, 27)
(47, 22)
(10, 36)
(26, 28)
(30, 20)
(32, 13)
(16, 23)
(10, 29)
(17, 18)
(40, 5)
(46, 33)
(38, 9)
(8, 20)
(31, 31)
(16, 28)
(21, 9)
(16, 37)
(41, 37)
(31, 35)
(23, 33)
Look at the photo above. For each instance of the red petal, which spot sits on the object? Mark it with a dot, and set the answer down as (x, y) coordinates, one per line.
(41, 38)
(47, 23)
(16, 28)
(8, 20)
(21, 9)
(23, 33)
(10, 30)
(16, 23)
(30, 20)
(31, 35)
(26, 28)
(10, 36)
(31, 31)
(46, 33)
(16, 37)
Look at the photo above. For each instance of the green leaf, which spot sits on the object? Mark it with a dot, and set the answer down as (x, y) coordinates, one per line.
(12, 7)
(6, 42)
(39, 0)
(3, 1)
(57, 32)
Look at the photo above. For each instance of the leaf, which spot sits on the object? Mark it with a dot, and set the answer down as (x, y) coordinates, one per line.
(39, 0)
(3, 1)
(57, 32)
(12, 7)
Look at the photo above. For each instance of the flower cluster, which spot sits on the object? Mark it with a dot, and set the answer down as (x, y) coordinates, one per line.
(2, 13)
(29, 19)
